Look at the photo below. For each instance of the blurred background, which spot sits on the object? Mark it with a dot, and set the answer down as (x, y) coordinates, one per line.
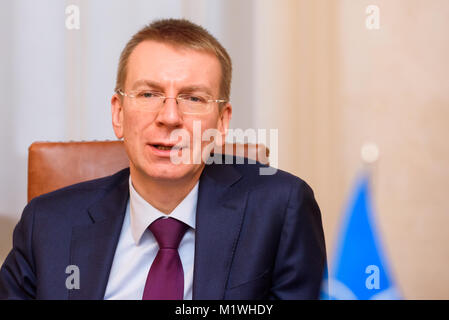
(319, 71)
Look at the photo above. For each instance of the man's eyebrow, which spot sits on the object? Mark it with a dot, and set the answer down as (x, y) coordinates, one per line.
(195, 88)
(158, 86)
(148, 83)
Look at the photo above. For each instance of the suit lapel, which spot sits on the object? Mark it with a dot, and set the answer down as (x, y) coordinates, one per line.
(93, 245)
(220, 208)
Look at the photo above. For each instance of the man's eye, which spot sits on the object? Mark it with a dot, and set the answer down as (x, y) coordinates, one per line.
(147, 94)
(195, 99)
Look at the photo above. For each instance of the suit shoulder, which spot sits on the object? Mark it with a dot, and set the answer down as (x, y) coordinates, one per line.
(259, 175)
(80, 194)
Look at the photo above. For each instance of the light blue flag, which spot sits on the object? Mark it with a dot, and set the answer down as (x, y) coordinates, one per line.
(360, 270)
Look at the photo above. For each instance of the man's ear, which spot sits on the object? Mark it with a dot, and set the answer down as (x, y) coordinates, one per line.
(117, 115)
(223, 121)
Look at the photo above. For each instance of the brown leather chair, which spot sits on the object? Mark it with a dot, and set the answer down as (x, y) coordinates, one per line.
(54, 165)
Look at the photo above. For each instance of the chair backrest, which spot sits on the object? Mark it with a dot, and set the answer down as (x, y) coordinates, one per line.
(54, 165)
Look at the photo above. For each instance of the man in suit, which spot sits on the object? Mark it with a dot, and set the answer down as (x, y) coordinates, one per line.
(165, 229)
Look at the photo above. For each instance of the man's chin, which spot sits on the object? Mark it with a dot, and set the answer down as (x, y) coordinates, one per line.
(172, 172)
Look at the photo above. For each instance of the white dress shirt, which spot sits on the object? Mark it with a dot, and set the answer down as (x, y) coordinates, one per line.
(137, 247)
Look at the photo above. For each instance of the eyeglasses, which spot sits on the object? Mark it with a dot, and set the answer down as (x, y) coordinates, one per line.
(189, 103)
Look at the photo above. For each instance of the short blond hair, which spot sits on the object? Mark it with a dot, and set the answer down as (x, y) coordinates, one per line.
(179, 33)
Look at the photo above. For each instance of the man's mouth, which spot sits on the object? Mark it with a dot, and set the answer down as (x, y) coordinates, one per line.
(166, 147)
(162, 147)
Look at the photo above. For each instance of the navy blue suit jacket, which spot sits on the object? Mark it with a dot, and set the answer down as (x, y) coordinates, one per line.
(257, 237)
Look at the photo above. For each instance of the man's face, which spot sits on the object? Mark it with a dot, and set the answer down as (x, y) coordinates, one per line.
(171, 71)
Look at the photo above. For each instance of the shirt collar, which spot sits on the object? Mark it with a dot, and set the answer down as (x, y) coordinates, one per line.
(143, 214)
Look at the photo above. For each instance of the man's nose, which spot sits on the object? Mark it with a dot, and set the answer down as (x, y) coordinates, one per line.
(169, 114)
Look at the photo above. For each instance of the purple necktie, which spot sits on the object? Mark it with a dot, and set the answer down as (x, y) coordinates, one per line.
(165, 279)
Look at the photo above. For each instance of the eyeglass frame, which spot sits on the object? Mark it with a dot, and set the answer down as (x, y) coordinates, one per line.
(163, 98)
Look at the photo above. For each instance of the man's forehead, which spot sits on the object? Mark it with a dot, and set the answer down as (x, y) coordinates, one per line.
(161, 62)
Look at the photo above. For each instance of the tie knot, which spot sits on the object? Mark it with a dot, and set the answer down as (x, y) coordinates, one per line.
(168, 232)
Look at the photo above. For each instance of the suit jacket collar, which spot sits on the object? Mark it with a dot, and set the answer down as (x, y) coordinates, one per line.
(219, 216)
